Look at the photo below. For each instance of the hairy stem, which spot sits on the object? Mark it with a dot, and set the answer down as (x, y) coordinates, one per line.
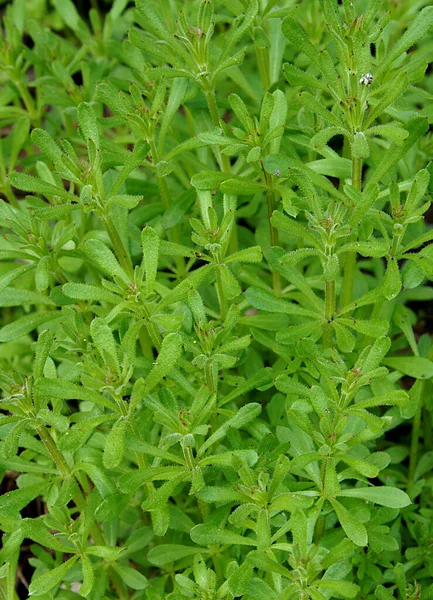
(221, 296)
(350, 264)
(263, 64)
(213, 110)
(119, 248)
(416, 429)
(329, 311)
(273, 232)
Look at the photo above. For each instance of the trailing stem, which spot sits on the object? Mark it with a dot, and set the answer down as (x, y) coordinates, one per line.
(329, 311)
(416, 425)
(270, 197)
(118, 245)
(350, 264)
(263, 64)
(221, 296)
(213, 110)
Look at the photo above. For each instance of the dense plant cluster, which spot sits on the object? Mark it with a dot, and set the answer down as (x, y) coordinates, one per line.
(215, 368)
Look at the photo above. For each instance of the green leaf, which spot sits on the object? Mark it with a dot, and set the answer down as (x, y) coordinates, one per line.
(316, 107)
(12, 502)
(65, 390)
(9, 277)
(341, 588)
(416, 30)
(230, 286)
(102, 256)
(240, 420)
(168, 357)
(104, 341)
(126, 201)
(92, 293)
(416, 128)
(131, 577)
(360, 147)
(69, 13)
(296, 36)
(24, 325)
(240, 580)
(52, 578)
(414, 366)
(88, 576)
(383, 495)
(150, 245)
(399, 85)
(88, 123)
(241, 187)
(110, 508)
(293, 227)
(114, 445)
(168, 553)
(354, 530)
(28, 183)
(372, 328)
(181, 290)
(108, 553)
(296, 77)
(207, 535)
(262, 377)
(264, 300)
(249, 255)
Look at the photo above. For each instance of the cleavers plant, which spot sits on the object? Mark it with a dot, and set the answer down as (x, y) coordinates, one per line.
(215, 262)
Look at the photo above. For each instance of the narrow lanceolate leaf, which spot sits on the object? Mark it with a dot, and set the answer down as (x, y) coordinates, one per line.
(353, 528)
(8, 278)
(383, 495)
(150, 245)
(104, 341)
(53, 577)
(240, 420)
(65, 390)
(28, 183)
(414, 366)
(104, 258)
(415, 31)
(88, 576)
(416, 127)
(249, 255)
(114, 446)
(90, 293)
(181, 290)
(168, 357)
(208, 534)
(170, 553)
(88, 123)
(12, 502)
(24, 325)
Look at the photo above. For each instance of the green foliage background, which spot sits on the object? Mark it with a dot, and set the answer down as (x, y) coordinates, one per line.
(214, 278)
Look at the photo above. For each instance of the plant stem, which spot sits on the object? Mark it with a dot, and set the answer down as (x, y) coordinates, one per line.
(329, 311)
(118, 245)
(209, 378)
(350, 264)
(213, 110)
(329, 300)
(221, 296)
(416, 425)
(56, 455)
(416, 428)
(263, 64)
(270, 197)
(165, 195)
(65, 471)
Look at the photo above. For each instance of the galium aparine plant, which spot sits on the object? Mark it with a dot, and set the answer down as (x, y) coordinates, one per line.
(215, 353)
